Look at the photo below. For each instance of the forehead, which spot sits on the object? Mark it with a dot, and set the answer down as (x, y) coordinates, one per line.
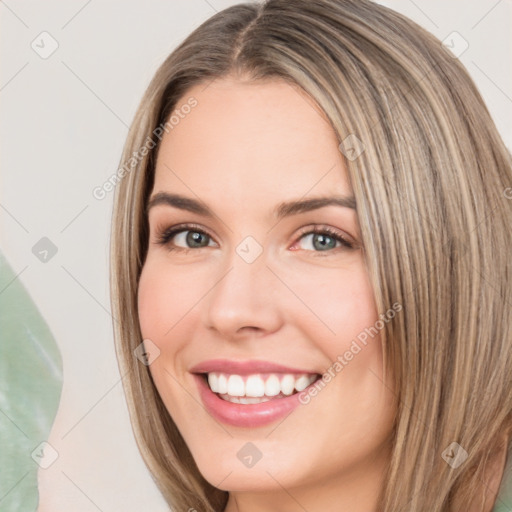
(250, 142)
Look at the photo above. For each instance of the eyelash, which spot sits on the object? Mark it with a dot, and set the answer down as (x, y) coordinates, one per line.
(164, 236)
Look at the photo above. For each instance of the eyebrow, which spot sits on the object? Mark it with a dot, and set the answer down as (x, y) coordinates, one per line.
(284, 209)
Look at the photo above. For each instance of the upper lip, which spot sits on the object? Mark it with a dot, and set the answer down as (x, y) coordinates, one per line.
(244, 367)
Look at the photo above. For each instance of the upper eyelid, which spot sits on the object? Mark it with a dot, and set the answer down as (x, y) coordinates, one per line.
(319, 228)
(178, 228)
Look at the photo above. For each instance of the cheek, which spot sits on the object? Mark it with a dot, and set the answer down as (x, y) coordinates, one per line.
(342, 305)
(165, 299)
(166, 314)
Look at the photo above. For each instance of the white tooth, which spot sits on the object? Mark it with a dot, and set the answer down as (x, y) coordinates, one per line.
(222, 383)
(236, 386)
(254, 386)
(253, 400)
(302, 382)
(213, 381)
(288, 384)
(272, 386)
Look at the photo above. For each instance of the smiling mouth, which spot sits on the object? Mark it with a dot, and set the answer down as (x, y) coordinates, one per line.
(257, 388)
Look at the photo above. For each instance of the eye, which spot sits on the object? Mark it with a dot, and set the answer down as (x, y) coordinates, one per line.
(324, 239)
(183, 237)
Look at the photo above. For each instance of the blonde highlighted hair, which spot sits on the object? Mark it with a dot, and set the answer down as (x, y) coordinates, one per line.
(432, 187)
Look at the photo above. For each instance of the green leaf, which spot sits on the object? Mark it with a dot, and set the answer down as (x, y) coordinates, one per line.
(30, 388)
(504, 498)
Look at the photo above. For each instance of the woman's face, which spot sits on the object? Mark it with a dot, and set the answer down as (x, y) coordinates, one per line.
(246, 294)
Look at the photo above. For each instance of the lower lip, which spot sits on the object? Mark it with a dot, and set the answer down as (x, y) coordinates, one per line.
(245, 415)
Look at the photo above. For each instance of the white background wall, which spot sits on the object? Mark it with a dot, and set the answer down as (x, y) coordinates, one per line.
(63, 124)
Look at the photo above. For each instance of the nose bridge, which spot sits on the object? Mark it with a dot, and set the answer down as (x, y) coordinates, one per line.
(243, 295)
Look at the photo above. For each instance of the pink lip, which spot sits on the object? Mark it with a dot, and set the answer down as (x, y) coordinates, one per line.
(245, 415)
(244, 367)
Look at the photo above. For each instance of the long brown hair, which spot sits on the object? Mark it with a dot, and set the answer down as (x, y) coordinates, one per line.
(432, 186)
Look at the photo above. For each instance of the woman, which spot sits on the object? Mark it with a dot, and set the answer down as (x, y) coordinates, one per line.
(310, 268)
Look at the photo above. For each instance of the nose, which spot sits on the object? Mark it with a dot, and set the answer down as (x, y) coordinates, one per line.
(243, 300)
